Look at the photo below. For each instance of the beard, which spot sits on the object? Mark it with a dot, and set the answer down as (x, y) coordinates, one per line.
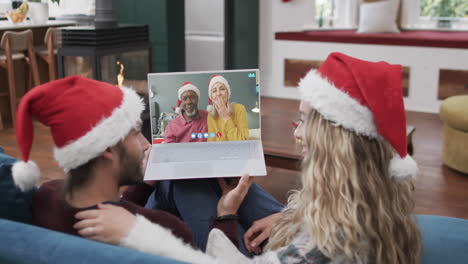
(131, 171)
(191, 111)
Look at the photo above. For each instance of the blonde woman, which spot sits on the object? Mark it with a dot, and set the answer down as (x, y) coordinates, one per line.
(228, 121)
(356, 202)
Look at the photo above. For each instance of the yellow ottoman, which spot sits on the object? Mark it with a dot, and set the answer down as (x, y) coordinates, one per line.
(454, 114)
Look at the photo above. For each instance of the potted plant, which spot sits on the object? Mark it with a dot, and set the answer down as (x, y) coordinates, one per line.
(38, 11)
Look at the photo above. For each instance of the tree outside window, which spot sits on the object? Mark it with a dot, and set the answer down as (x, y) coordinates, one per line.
(324, 12)
(444, 11)
(444, 8)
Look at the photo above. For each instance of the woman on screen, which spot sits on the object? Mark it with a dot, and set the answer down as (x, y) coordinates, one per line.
(227, 121)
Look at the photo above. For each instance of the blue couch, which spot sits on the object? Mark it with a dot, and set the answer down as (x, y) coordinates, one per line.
(445, 239)
(21, 242)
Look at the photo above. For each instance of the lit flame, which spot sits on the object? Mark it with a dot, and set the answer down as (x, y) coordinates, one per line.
(120, 76)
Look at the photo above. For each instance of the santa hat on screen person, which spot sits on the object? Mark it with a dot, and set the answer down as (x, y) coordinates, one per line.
(187, 86)
(85, 118)
(216, 79)
(363, 97)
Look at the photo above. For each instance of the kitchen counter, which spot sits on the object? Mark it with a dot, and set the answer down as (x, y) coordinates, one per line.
(6, 25)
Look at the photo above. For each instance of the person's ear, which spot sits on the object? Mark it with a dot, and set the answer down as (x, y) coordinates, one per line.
(110, 153)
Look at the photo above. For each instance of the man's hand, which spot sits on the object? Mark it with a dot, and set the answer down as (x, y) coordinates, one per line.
(259, 232)
(108, 224)
(233, 194)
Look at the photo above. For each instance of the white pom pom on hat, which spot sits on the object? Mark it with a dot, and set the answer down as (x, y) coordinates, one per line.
(209, 107)
(403, 168)
(177, 110)
(26, 175)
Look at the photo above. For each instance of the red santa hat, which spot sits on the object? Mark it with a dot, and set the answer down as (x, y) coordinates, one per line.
(85, 117)
(364, 97)
(216, 79)
(187, 86)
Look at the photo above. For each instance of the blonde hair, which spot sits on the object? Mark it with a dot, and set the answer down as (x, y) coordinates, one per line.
(349, 204)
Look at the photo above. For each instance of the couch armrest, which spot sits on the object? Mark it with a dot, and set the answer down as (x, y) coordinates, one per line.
(445, 239)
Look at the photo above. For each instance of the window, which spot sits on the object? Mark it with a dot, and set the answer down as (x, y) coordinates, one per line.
(415, 14)
(324, 13)
(71, 7)
(433, 14)
(452, 9)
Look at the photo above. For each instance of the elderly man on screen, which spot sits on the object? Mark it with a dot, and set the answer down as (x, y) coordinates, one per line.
(191, 121)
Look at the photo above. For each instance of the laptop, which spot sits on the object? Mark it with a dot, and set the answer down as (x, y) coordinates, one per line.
(190, 142)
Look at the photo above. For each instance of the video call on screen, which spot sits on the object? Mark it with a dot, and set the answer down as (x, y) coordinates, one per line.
(204, 106)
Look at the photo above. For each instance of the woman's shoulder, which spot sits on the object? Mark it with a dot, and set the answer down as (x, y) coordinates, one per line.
(238, 107)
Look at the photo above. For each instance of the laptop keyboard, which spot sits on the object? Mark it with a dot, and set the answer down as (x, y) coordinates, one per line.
(228, 150)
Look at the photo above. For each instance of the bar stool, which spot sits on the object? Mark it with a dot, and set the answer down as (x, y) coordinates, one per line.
(17, 46)
(48, 52)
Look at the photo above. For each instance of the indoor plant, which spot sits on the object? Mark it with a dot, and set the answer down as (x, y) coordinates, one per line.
(38, 11)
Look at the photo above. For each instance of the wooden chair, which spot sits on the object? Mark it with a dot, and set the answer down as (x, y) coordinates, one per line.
(49, 52)
(17, 46)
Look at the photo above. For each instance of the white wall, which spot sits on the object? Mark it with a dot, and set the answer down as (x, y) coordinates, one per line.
(424, 62)
(74, 7)
(424, 66)
(278, 16)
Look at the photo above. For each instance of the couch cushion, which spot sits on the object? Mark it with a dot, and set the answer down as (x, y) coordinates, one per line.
(454, 112)
(14, 204)
(31, 244)
(445, 239)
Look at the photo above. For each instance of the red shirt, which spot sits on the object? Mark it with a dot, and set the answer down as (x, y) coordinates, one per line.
(180, 130)
(51, 211)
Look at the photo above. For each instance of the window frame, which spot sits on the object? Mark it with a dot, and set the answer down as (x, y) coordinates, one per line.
(414, 20)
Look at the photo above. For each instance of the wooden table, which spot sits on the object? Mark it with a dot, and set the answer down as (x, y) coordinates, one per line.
(279, 144)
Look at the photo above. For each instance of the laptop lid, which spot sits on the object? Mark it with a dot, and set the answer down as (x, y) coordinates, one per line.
(201, 115)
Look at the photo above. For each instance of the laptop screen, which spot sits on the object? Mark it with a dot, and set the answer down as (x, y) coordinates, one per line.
(204, 106)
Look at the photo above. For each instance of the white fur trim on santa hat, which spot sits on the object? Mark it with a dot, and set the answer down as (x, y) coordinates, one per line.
(108, 132)
(337, 106)
(403, 168)
(155, 239)
(187, 87)
(219, 79)
(220, 247)
(26, 175)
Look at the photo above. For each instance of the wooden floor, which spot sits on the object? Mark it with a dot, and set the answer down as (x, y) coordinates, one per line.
(439, 190)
